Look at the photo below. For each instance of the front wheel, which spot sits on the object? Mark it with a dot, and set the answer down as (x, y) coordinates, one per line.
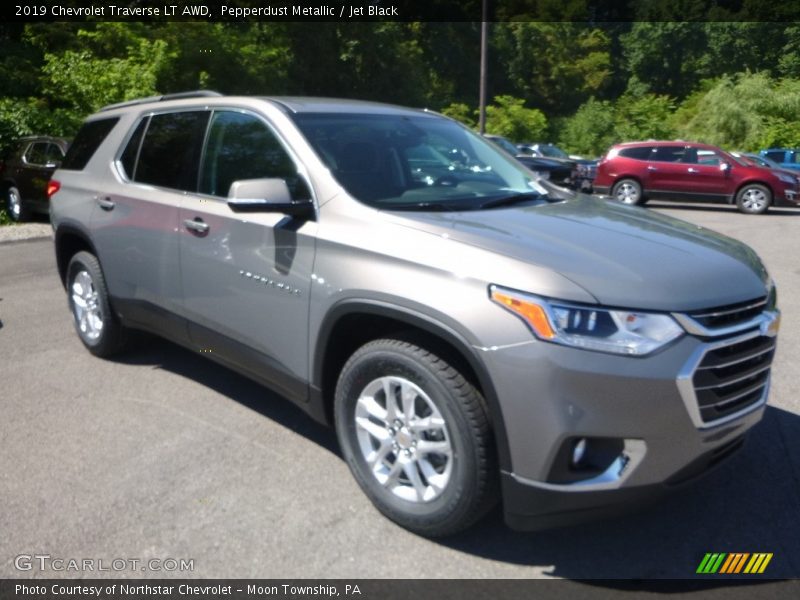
(628, 191)
(416, 436)
(753, 199)
(96, 324)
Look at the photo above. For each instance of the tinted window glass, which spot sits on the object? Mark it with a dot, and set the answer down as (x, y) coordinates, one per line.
(36, 154)
(86, 142)
(639, 153)
(795, 157)
(171, 150)
(414, 161)
(131, 153)
(241, 146)
(54, 153)
(669, 154)
(708, 157)
(776, 156)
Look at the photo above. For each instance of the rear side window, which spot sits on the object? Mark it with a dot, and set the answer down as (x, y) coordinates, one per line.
(131, 153)
(36, 154)
(240, 146)
(86, 142)
(638, 153)
(170, 151)
(669, 154)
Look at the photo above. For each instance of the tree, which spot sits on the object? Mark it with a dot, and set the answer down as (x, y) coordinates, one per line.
(509, 117)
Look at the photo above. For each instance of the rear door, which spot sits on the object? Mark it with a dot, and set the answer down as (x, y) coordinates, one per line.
(136, 223)
(668, 175)
(246, 276)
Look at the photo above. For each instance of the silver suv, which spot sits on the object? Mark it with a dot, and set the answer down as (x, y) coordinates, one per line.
(470, 332)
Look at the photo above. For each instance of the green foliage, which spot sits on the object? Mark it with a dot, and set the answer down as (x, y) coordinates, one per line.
(599, 124)
(711, 78)
(461, 112)
(591, 130)
(85, 82)
(553, 65)
(509, 117)
(644, 117)
(4, 218)
(747, 111)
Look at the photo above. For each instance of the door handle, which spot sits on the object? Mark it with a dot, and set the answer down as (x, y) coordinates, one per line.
(692, 170)
(651, 168)
(105, 203)
(197, 225)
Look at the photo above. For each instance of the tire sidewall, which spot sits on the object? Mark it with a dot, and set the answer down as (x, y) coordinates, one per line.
(740, 199)
(23, 213)
(632, 182)
(380, 362)
(83, 261)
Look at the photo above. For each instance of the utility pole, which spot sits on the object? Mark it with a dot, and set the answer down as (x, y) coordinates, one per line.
(482, 95)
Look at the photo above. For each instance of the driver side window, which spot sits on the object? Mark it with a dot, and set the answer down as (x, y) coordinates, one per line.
(240, 146)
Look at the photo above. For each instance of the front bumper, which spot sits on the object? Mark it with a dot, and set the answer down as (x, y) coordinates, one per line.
(571, 394)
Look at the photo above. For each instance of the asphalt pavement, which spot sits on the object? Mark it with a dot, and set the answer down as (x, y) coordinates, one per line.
(162, 454)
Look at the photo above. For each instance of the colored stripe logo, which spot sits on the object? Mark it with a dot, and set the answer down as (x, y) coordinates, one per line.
(734, 563)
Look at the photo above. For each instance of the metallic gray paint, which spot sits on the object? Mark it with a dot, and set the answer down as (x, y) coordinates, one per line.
(438, 265)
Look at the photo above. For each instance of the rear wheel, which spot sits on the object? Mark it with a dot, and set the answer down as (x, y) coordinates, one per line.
(754, 199)
(416, 437)
(96, 324)
(628, 191)
(15, 207)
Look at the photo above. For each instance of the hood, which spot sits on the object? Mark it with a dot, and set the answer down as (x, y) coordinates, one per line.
(624, 256)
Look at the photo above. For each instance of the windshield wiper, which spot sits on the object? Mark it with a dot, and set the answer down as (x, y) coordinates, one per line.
(426, 206)
(514, 199)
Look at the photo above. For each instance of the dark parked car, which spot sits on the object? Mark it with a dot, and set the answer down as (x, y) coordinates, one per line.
(787, 158)
(637, 171)
(559, 171)
(585, 168)
(25, 173)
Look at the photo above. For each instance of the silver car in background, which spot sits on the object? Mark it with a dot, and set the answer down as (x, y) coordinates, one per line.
(471, 333)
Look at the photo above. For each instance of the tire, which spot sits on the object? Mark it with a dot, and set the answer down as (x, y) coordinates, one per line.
(628, 191)
(434, 481)
(15, 207)
(754, 199)
(98, 327)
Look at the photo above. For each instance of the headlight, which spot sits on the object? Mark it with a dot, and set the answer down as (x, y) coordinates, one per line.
(787, 178)
(591, 327)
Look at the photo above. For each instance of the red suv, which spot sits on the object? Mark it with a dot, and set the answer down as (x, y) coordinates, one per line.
(638, 171)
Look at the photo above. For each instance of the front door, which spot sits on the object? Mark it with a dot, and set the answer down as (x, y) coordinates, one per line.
(246, 276)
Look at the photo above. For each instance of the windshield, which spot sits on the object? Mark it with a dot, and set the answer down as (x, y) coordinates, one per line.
(552, 151)
(414, 162)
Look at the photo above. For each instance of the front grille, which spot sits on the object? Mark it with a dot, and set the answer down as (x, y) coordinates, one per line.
(731, 378)
(726, 316)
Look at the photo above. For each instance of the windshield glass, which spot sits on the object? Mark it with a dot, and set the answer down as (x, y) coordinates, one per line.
(417, 162)
(552, 151)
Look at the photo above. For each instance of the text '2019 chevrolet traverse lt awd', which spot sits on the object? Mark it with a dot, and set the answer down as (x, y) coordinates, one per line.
(471, 333)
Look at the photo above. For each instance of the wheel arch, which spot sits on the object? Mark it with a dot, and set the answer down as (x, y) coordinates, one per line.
(350, 324)
(753, 182)
(69, 240)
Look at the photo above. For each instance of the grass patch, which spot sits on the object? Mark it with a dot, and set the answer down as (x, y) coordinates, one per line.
(4, 218)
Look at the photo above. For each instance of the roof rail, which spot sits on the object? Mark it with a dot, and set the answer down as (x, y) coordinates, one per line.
(175, 96)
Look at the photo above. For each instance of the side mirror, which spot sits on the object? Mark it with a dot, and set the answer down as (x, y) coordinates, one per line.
(268, 196)
(725, 167)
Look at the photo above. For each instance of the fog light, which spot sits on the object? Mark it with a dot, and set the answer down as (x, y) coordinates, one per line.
(578, 451)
